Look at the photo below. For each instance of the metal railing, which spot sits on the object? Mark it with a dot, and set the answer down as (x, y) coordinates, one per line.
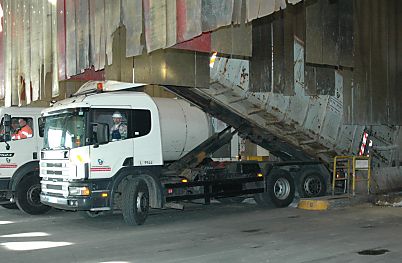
(350, 165)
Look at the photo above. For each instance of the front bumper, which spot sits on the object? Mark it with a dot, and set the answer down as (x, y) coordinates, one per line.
(94, 202)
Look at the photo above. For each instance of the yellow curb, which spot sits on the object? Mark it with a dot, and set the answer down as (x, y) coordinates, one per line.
(317, 205)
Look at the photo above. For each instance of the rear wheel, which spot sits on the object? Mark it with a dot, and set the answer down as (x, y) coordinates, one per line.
(135, 202)
(10, 206)
(280, 191)
(28, 196)
(312, 184)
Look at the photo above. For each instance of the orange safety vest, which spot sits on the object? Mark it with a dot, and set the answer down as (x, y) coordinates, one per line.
(23, 133)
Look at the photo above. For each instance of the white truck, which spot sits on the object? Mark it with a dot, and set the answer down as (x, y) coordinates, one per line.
(19, 160)
(162, 157)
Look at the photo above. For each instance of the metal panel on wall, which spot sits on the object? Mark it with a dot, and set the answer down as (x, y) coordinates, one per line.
(173, 67)
(82, 34)
(283, 48)
(330, 34)
(188, 19)
(112, 22)
(171, 34)
(100, 33)
(379, 67)
(132, 19)
(237, 9)
(36, 29)
(261, 8)
(71, 50)
(261, 60)
(61, 39)
(345, 12)
(314, 29)
(2, 49)
(216, 13)
(376, 95)
(233, 40)
(155, 24)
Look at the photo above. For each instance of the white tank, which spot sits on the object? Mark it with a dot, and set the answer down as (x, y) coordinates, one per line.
(183, 127)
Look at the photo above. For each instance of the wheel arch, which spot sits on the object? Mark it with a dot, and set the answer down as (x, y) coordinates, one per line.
(26, 169)
(151, 178)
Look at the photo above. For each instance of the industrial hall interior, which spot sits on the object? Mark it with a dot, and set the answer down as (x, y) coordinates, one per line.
(200, 130)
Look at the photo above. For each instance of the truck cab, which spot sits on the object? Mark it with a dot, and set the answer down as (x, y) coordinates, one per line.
(21, 139)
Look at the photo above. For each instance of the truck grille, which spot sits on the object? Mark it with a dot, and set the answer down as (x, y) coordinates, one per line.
(56, 169)
(55, 175)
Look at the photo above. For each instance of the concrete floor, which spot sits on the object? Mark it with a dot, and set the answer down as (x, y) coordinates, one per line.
(216, 233)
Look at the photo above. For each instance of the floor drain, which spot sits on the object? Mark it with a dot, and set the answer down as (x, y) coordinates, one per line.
(251, 230)
(373, 252)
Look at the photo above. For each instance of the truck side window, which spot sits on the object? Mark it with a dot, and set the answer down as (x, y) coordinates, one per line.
(117, 119)
(141, 122)
(21, 128)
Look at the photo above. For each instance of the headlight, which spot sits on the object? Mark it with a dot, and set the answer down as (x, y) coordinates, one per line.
(82, 190)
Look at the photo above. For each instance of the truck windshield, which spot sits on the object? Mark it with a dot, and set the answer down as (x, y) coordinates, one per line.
(65, 131)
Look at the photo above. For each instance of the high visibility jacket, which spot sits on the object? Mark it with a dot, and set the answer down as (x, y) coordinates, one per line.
(23, 133)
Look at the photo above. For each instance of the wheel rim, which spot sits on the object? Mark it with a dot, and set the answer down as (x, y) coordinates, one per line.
(281, 188)
(312, 185)
(33, 195)
(142, 202)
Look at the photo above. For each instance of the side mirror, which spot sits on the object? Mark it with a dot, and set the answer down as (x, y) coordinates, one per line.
(100, 133)
(7, 127)
(41, 126)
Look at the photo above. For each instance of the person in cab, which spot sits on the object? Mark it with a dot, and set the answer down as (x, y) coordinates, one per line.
(119, 129)
(24, 131)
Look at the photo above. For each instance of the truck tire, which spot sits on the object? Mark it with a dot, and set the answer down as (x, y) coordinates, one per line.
(10, 206)
(280, 192)
(28, 196)
(135, 202)
(312, 184)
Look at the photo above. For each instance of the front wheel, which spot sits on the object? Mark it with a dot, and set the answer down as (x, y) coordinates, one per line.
(280, 190)
(135, 202)
(28, 196)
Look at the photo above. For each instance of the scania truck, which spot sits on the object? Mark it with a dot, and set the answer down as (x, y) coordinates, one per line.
(161, 158)
(19, 159)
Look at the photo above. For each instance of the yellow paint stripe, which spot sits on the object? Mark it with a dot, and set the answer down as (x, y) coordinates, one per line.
(317, 205)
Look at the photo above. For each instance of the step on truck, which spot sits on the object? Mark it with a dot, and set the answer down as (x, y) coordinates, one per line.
(109, 148)
(21, 139)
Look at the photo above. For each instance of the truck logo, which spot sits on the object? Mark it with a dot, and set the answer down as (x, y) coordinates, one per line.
(6, 154)
(8, 160)
(100, 161)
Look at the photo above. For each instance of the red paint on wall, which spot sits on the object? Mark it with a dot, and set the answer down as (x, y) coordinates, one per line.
(181, 20)
(201, 43)
(90, 74)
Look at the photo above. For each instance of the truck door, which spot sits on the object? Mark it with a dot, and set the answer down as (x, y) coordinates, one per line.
(147, 145)
(107, 159)
(23, 146)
